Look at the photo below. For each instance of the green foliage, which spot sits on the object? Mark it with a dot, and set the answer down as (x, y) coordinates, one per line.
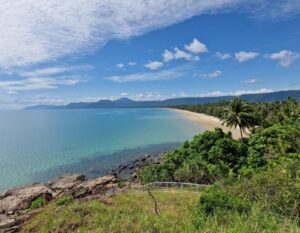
(277, 189)
(154, 173)
(269, 200)
(66, 200)
(216, 200)
(37, 203)
(208, 157)
(271, 143)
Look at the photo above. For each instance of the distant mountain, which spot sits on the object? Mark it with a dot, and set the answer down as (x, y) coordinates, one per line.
(128, 103)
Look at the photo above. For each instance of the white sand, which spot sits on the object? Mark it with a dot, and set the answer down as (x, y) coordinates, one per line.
(208, 122)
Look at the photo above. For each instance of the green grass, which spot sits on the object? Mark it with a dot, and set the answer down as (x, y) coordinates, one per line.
(127, 213)
(134, 213)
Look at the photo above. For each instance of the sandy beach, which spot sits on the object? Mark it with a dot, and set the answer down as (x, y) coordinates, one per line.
(208, 122)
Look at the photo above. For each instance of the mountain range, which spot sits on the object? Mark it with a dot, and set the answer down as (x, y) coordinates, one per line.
(128, 103)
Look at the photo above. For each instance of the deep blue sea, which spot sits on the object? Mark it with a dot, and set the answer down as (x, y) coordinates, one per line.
(40, 145)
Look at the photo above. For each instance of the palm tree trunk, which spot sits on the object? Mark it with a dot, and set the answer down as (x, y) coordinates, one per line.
(241, 132)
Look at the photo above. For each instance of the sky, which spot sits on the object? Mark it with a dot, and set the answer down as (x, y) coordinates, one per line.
(57, 52)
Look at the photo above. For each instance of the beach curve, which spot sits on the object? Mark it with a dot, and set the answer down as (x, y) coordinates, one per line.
(208, 122)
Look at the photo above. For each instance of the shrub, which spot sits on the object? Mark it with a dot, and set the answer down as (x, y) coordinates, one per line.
(276, 189)
(66, 200)
(154, 173)
(37, 203)
(215, 199)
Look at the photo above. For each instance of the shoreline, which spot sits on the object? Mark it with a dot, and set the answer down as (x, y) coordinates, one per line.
(207, 122)
(16, 202)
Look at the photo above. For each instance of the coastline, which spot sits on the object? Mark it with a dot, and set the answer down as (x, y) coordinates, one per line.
(16, 202)
(207, 122)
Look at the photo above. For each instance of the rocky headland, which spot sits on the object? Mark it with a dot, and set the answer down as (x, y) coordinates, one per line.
(16, 203)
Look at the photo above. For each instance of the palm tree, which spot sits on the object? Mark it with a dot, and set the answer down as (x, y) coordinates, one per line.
(238, 113)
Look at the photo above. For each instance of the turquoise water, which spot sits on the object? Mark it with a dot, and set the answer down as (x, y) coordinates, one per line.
(39, 145)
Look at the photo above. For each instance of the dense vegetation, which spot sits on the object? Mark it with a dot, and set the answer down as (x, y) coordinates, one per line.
(252, 176)
(266, 113)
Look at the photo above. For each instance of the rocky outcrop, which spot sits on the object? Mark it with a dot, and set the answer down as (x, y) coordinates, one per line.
(20, 198)
(15, 203)
(66, 182)
(95, 186)
(130, 169)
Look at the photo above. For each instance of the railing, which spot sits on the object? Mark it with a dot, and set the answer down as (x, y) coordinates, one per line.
(171, 186)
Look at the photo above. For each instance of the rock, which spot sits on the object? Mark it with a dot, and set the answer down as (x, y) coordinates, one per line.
(134, 176)
(93, 186)
(7, 222)
(66, 182)
(20, 198)
(4, 193)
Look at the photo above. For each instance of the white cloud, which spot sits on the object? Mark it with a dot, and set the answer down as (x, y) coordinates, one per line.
(154, 65)
(38, 31)
(178, 54)
(149, 76)
(49, 71)
(133, 63)
(196, 47)
(252, 81)
(168, 56)
(235, 93)
(120, 65)
(147, 96)
(285, 57)
(222, 56)
(38, 83)
(123, 94)
(245, 56)
(211, 75)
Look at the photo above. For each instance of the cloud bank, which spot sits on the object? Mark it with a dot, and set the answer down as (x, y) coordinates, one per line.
(39, 31)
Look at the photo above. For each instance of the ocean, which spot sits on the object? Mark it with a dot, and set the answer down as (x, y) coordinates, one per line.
(36, 146)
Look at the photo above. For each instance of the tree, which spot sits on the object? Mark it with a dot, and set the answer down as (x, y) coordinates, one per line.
(238, 113)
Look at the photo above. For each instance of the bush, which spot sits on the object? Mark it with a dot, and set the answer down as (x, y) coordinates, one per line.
(37, 203)
(207, 158)
(273, 142)
(277, 189)
(215, 199)
(153, 173)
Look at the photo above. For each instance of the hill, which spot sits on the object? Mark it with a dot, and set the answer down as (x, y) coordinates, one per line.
(128, 103)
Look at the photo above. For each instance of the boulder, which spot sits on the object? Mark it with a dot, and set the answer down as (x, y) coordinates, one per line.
(18, 199)
(94, 186)
(66, 182)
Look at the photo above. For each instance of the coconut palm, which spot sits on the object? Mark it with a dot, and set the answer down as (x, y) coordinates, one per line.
(238, 113)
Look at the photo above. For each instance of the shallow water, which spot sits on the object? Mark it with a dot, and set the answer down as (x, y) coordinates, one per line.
(39, 145)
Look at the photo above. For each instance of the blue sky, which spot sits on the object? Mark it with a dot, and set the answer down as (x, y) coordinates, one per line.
(60, 52)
